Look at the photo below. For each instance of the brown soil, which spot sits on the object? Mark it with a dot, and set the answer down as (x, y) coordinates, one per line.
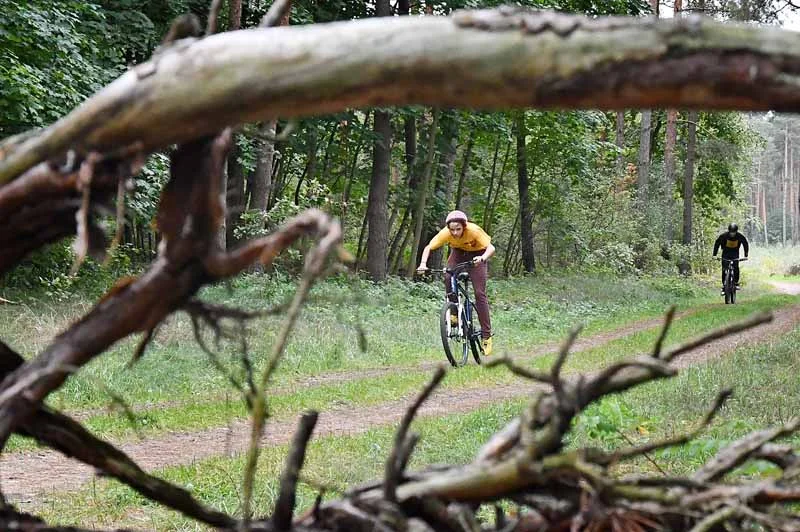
(32, 474)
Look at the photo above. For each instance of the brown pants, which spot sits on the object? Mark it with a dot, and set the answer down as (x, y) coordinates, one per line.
(478, 275)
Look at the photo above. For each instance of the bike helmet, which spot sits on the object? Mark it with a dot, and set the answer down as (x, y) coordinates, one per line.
(456, 216)
(733, 228)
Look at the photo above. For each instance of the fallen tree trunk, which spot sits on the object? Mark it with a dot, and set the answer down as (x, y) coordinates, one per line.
(480, 59)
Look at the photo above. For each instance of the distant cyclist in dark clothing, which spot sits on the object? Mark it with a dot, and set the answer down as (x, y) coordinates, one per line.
(730, 242)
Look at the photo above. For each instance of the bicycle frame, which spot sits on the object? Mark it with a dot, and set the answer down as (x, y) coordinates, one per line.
(460, 289)
(728, 286)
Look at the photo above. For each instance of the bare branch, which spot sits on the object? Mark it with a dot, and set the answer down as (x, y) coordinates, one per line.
(315, 262)
(626, 454)
(284, 507)
(751, 322)
(555, 371)
(633, 63)
(711, 521)
(741, 450)
(213, 15)
(664, 330)
(278, 11)
(393, 471)
(519, 370)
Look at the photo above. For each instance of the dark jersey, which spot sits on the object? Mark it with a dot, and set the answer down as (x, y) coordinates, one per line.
(730, 245)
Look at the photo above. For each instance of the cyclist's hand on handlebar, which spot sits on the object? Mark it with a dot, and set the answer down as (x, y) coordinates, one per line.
(422, 269)
(478, 260)
(745, 258)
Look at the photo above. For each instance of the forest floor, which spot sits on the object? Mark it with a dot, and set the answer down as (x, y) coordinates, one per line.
(27, 474)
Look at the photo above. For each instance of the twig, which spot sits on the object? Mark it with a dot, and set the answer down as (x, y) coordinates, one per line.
(631, 452)
(753, 321)
(291, 125)
(277, 12)
(711, 521)
(656, 368)
(213, 15)
(525, 373)
(739, 451)
(284, 508)
(645, 453)
(664, 330)
(315, 262)
(404, 456)
(392, 470)
(555, 371)
(59, 432)
(140, 349)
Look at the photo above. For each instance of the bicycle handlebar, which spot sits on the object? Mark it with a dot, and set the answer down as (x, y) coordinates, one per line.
(742, 259)
(458, 267)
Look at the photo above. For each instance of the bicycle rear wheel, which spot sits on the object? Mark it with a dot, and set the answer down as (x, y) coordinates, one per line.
(454, 341)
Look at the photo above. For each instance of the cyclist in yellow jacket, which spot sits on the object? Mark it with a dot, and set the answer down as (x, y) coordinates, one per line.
(467, 242)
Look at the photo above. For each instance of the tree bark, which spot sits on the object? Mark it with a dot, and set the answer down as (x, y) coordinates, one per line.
(669, 148)
(262, 178)
(419, 208)
(631, 63)
(643, 160)
(784, 189)
(377, 237)
(526, 214)
(464, 169)
(499, 189)
(688, 183)
(490, 188)
(620, 141)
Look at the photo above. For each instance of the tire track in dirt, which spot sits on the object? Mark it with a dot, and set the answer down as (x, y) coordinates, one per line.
(339, 377)
(31, 474)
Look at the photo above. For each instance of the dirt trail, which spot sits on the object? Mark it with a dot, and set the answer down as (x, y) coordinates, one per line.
(792, 289)
(338, 377)
(32, 474)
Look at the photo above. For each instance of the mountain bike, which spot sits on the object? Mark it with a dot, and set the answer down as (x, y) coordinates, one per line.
(728, 284)
(459, 335)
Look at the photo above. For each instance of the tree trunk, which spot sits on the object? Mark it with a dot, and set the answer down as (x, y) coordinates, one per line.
(526, 214)
(764, 214)
(352, 171)
(262, 178)
(361, 237)
(498, 190)
(395, 248)
(236, 192)
(512, 238)
(643, 161)
(378, 236)
(419, 208)
(620, 141)
(669, 147)
(785, 179)
(688, 183)
(464, 169)
(449, 158)
(265, 164)
(377, 239)
(492, 174)
(645, 144)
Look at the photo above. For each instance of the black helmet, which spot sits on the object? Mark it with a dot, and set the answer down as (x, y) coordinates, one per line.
(733, 228)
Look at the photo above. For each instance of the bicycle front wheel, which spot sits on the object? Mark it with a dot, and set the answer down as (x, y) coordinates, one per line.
(475, 338)
(454, 341)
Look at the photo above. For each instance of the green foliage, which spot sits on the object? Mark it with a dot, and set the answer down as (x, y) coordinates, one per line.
(52, 56)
